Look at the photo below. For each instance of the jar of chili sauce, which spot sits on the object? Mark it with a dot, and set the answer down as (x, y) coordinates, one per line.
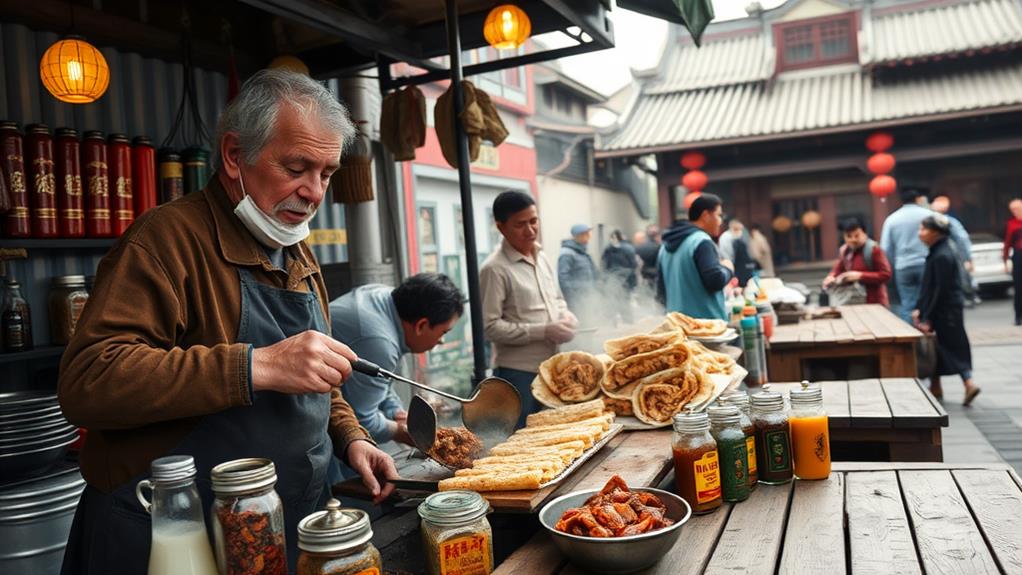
(16, 223)
(248, 518)
(97, 199)
(337, 542)
(71, 207)
(121, 201)
(42, 188)
(696, 465)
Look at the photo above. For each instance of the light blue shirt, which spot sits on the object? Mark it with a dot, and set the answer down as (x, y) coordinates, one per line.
(900, 237)
(366, 320)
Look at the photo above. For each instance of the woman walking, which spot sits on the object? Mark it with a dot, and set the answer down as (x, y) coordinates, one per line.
(940, 307)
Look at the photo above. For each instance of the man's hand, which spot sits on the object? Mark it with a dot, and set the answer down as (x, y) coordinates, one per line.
(401, 434)
(569, 319)
(309, 362)
(558, 332)
(849, 277)
(727, 263)
(828, 281)
(969, 266)
(374, 466)
(401, 416)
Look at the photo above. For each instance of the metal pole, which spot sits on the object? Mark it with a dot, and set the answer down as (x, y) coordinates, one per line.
(465, 183)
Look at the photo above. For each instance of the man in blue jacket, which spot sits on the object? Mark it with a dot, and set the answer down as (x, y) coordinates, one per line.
(576, 272)
(692, 272)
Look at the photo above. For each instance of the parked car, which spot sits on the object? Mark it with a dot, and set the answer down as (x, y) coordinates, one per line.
(988, 267)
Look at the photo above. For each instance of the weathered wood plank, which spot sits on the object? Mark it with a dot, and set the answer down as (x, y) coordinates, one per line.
(909, 405)
(785, 334)
(867, 404)
(752, 537)
(842, 332)
(539, 556)
(823, 332)
(835, 402)
(996, 503)
(855, 466)
(815, 538)
(642, 460)
(692, 552)
(870, 316)
(946, 534)
(880, 539)
(859, 330)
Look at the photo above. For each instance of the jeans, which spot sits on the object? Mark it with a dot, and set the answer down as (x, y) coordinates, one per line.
(909, 282)
(522, 380)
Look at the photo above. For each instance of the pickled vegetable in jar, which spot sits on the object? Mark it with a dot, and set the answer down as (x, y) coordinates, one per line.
(456, 537)
(740, 399)
(733, 452)
(773, 438)
(337, 542)
(248, 518)
(696, 467)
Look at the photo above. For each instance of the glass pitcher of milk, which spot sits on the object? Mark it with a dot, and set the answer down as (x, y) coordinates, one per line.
(180, 545)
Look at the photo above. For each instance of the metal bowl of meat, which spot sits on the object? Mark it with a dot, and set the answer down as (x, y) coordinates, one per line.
(656, 515)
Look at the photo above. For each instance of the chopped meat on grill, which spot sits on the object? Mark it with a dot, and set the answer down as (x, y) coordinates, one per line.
(455, 447)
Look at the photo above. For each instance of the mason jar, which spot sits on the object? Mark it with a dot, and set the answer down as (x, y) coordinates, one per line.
(810, 433)
(740, 399)
(733, 452)
(696, 465)
(456, 536)
(248, 518)
(68, 297)
(773, 438)
(337, 541)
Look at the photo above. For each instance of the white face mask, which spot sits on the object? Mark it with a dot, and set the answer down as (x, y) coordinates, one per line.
(267, 230)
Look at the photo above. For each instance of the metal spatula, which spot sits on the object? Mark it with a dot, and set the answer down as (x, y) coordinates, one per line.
(491, 413)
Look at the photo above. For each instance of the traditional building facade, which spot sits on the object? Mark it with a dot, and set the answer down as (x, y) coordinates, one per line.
(781, 103)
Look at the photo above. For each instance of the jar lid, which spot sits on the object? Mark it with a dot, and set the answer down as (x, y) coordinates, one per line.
(12, 283)
(748, 310)
(196, 154)
(768, 401)
(334, 530)
(119, 138)
(453, 507)
(807, 394)
(739, 398)
(724, 414)
(141, 141)
(69, 281)
(8, 125)
(67, 133)
(93, 135)
(37, 129)
(243, 475)
(173, 468)
(692, 421)
(168, 155)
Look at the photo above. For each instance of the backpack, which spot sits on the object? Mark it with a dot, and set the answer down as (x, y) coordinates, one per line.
(867, 254)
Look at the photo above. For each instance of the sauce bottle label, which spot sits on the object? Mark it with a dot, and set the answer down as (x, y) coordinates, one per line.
(778, 454)
(734, 469)
(707, 474)
(750, 444)
(468, 555)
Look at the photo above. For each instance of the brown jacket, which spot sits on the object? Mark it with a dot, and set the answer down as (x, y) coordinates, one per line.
(154, 349)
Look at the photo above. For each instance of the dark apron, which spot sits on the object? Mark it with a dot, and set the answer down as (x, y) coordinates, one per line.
(111, 533)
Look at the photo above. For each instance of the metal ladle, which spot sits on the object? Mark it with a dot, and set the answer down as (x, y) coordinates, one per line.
(491, 413)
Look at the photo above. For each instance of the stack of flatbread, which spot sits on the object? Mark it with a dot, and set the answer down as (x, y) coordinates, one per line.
(535, 454)
(677, 321)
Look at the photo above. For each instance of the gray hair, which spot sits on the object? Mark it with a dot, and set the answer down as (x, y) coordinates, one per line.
(253, 112)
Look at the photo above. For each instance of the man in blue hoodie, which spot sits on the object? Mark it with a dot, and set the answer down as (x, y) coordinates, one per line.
(692, 272)
(576, 271)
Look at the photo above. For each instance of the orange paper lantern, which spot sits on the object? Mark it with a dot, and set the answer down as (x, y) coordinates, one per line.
(689, 198)
(289, 63)
(879, 142)
(881, 163)
(693, 160)
(74, 71)
(507, 27)
(781, 224)
(695, 181)
(811, 219)
(882, 185)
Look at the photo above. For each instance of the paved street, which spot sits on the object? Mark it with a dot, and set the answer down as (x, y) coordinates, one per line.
(991, 428)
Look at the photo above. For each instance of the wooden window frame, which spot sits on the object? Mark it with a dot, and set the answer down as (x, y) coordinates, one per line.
(815, 24)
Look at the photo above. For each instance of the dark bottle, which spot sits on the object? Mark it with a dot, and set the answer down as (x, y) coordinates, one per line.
(172, 184)
(16, 319)
(196, 169)
(17, 223)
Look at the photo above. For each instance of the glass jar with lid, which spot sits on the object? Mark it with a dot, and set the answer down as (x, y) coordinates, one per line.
(248, 518)
(696, 466)
(180, 545)
(773, 438)
(810, 433)
(456, 536)
(68, 297)
(726, 428)
(740, 399)
(337, 542)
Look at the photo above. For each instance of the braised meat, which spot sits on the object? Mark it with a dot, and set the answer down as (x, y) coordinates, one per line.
(615, 512)
(455, 447)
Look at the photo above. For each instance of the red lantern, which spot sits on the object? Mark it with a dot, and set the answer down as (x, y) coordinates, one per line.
(693, 160)
(882, 185)
(695, 181)
(881, 163)
(879, 142)
(689, 198)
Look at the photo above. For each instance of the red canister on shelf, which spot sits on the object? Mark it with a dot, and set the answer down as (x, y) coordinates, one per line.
(42, 188)
(97, 200)
(12, 164)
(121, 201)
(70, 204)
(143, 172)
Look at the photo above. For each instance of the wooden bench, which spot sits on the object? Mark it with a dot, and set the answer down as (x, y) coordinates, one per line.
(893, 419)
(884, 343)
(891, 518)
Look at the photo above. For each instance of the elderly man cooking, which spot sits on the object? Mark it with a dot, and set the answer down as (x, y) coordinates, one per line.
(207, 332)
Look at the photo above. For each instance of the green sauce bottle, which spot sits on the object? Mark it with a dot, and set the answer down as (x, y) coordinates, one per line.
(732, 451)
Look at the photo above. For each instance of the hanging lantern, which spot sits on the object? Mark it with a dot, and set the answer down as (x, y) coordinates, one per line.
(881, 163)
(882, 185)
(879, 142)
(289, 63)
(689, 198)
(693, 160)
(811, 220)
(507, 27)
(781, 224)
(695, 181)
(74, 71)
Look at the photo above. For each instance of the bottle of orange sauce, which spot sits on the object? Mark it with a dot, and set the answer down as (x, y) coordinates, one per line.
(696, 464)
(810, 435)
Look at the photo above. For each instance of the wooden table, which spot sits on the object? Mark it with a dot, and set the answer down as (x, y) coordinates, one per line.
(893, 419)
(864, 331)
(889, 518)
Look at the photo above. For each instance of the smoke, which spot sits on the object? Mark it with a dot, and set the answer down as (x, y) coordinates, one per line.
(610, 310)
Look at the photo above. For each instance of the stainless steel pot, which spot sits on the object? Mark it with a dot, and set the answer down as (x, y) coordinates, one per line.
(30, 415)
(33, 541)
(16, 401)
(56, 420)
(26, 443)
(17, 464)
(17, 438)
